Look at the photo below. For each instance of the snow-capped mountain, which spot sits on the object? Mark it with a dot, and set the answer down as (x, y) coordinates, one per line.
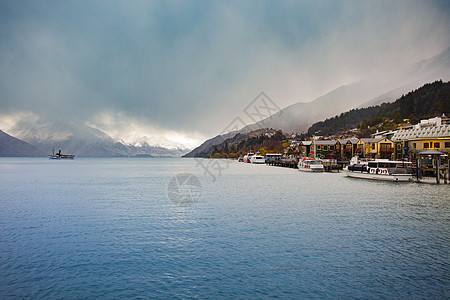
(83, 140)
(157, 142)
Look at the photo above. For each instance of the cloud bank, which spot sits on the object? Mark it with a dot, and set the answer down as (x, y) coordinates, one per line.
(187, 68)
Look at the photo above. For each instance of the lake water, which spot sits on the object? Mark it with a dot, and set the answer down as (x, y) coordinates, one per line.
(106, 228)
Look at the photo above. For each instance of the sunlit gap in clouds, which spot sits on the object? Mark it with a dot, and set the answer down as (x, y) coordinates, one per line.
(129, 130)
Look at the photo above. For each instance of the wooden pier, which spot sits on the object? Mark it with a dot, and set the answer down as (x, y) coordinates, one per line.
(293, 163)
(331, 167)
(286, 163)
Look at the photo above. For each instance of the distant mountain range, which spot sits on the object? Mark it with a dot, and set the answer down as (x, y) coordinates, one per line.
(39, 138)
(297, 118)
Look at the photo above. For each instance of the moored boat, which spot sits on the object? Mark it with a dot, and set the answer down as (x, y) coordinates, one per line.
(381, 169)
(310, 165)
(257, 159)
(248, 156)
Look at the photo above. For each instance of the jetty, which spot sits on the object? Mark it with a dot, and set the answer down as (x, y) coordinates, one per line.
(329, 166)
(282, 162)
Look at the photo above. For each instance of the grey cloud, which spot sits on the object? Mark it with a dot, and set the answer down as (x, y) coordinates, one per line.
(193, 66)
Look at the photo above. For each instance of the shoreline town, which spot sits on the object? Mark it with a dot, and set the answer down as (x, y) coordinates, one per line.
(411, 153)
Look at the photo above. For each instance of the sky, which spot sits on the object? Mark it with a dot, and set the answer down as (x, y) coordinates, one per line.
(185, 69)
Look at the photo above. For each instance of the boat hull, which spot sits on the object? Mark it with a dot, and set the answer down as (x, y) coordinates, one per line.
(61, 156)
(258, 162)
(312, 170)
(311, 165)
(381, 177)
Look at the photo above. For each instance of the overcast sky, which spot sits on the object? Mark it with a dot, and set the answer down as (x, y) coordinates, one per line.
(187, 68)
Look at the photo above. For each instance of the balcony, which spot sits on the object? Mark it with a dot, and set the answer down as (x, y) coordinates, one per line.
(386, 150)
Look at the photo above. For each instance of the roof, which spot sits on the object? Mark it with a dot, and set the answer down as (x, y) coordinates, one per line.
(379, 133)
(368, 140)
(345, 141)
(325, 142)
(391, 161)
(430, 152)
(424, 132)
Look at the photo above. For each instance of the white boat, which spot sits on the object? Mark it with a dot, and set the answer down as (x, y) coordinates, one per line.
(257, 159)
(248, 156)
(381, 169)
(310, 165)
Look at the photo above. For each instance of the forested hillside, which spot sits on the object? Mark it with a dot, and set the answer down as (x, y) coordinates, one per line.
(263, 140)
(429, 100)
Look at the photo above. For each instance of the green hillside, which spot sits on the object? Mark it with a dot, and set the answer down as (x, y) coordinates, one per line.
(430, 100)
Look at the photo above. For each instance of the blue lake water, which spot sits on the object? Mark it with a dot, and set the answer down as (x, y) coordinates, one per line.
(105, 228)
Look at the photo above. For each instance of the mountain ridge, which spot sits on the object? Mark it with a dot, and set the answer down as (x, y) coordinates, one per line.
(83, 140)
(430, 99)
(14, 147)
(298, 117)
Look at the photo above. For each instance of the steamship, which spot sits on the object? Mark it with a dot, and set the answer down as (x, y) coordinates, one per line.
(59, 155)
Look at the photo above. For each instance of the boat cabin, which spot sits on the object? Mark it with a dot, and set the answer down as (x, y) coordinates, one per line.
(274, 156)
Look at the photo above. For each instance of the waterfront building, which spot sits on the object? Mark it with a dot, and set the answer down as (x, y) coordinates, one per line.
(375, 148)
(347, 147)
(423, 136)
(326, 148)
(305, 148)
(340, 146)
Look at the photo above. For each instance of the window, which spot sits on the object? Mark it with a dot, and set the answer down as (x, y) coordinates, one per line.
(447, 144)
(437, 145)
(426, 145)
(373, 146)
(414, 145)
(399, 147)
